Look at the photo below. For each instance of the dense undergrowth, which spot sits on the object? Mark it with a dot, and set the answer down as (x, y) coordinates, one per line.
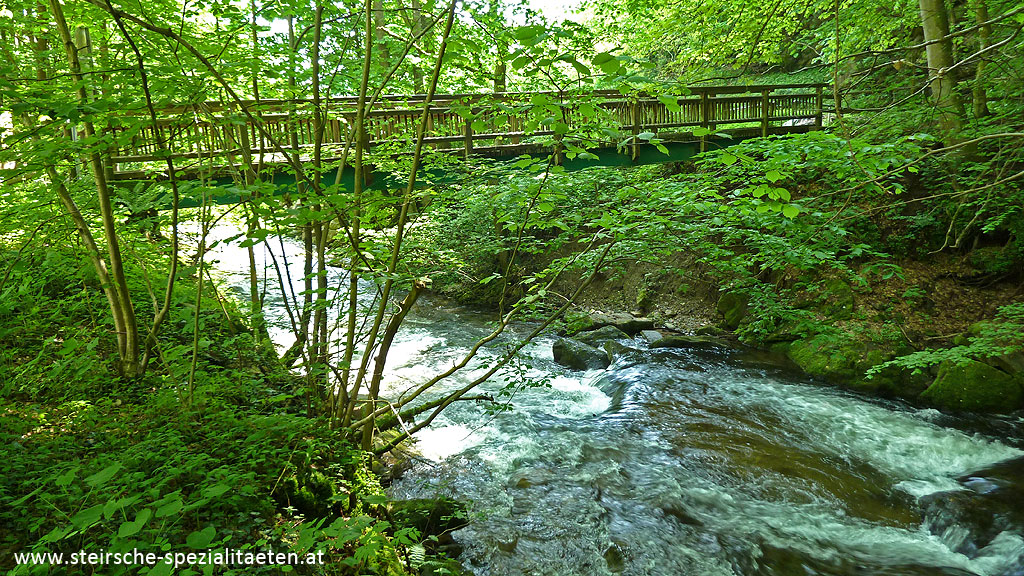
(92, 463)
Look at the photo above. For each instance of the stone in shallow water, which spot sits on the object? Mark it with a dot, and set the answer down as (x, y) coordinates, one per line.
(601, 335)
(625, 322)
(579, 356)
(651, 335)
(616, 562)
(682, 341)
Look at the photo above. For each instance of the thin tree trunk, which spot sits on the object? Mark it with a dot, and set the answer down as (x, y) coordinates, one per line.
(357, 190)
(160, 314)
(382, 355)
(317, 351)
(935, 21)
(979, 97)
(122, 310)
(302, 334)
(396, 250)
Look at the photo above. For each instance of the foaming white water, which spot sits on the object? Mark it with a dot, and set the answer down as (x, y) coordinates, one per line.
(920, 455)
(439, 442)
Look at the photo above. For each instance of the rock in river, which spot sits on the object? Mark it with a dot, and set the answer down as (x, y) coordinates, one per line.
(579, 356)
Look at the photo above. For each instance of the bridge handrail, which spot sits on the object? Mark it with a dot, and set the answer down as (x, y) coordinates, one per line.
(218, 130)
(469, 97)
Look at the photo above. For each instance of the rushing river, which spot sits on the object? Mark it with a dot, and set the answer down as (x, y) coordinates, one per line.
(703, 463)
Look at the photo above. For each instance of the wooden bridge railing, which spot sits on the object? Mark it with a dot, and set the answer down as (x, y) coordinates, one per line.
(470, 123)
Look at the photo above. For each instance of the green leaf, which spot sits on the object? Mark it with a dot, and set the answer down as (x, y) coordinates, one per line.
(214, 491)
(65, 479)
(790, 211)
(87, 517)
(520, 62)
(170, 508)
(526, 32)
(375, 499)
(131, 528)
(25, 498)
(698, 132)
(645, 135)
(581, 68)
(727, 159)
(201, 538)
(670, 102)
(610, 67)
(101, 477)
(161, 569)
(773, 176)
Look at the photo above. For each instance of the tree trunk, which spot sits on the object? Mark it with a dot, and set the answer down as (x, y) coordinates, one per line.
(935, 21)
(123, 311)
(979, 97)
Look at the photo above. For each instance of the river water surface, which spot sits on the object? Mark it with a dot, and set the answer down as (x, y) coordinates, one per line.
(709, 462)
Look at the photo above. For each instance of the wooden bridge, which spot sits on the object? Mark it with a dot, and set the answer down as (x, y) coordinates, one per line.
(211, 139)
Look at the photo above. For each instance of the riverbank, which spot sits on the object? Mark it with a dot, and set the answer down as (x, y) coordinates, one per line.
(852, 291)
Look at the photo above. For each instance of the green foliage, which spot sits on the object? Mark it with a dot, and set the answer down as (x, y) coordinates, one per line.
(94, 463)
(114, 477)
(1001, 336)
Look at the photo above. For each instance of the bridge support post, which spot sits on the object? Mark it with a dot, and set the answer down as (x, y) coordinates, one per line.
(704, 113)
(818, 105)
(635, 117)
(248, 172)
(468, 137)
(764, 113)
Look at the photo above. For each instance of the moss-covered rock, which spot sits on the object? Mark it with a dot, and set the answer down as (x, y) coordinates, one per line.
(838, 303)
(311, 494)
(711, 330)
(429, 515)
(603, 334)
(894, 381)
(614, 349)
(825, 357)
(733, 308)
(625, 322)
(974, 386)
(837, 357)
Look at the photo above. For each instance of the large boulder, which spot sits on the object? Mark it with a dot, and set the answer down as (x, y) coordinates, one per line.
(711, 330)
(963, 519)
(625, 322)
(733, 308)
(894, 381)
(1012, 362)
(828, 357)
(603, 334)
(690, 342)
(838, 299)
(579, 356)
(974, 386)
